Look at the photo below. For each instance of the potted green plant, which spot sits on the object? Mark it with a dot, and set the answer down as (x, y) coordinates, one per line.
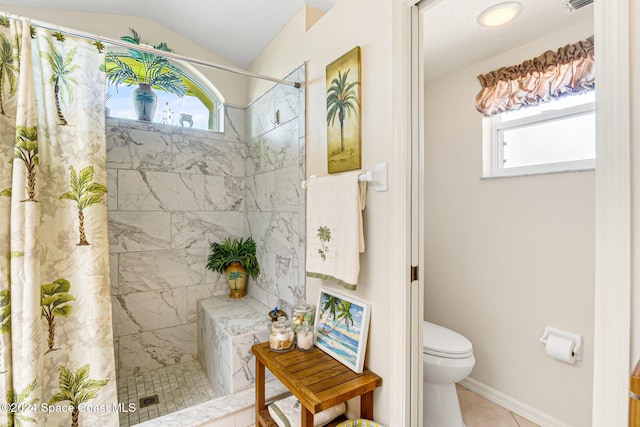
(236, 258)
(148, 71)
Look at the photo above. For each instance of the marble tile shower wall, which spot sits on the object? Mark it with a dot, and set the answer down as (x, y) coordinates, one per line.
(275, 201)
(172, 191)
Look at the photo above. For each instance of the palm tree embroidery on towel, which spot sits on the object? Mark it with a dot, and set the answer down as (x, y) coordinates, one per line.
(324, 234)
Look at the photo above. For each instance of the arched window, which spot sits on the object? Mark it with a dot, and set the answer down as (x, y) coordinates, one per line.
(202, 106)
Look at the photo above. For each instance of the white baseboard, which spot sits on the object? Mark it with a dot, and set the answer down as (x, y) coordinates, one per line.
(529, 412)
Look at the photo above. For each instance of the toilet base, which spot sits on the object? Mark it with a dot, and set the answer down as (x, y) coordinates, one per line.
(441, 406)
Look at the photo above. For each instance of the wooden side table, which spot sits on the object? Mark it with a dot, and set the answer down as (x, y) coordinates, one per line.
(318, 381)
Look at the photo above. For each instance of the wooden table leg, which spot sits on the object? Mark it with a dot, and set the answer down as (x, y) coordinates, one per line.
(366, 406)
(260, 394)
(307, 417)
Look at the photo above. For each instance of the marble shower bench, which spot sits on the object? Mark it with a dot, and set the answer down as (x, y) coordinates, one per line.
(227, 328)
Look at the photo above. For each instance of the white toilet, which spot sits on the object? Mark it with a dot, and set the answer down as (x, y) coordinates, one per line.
(447, 357)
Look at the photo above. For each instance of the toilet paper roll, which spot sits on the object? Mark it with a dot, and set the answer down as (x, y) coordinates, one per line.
(561, 349)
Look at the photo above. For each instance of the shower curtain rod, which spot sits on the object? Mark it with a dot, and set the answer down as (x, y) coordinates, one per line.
(147, 49)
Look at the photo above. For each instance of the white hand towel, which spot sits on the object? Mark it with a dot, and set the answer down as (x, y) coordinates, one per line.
(286, 413)
(335, 235)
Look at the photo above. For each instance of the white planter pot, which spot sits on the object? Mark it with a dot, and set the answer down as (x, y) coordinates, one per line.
(144, 102)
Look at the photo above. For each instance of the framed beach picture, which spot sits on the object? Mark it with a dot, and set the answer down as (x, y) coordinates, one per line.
(342, 327)
(344, 146)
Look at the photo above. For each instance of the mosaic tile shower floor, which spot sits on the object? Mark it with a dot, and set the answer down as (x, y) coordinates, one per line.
(177, 387)
(184, 385)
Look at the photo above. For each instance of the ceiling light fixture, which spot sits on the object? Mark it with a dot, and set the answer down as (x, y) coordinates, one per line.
(499, 14)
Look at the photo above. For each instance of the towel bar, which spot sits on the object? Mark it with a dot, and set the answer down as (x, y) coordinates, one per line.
(377, 178)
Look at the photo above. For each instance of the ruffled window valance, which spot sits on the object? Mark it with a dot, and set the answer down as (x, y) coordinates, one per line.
(569, 70)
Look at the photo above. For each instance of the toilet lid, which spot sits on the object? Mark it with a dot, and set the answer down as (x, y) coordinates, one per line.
(443, 342)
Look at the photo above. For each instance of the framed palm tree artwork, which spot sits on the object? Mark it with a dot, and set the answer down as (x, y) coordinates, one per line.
(342, 328)
(344, 113)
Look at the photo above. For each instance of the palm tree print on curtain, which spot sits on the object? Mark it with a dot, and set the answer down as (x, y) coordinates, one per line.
(26, 149)
(56, 302)
(62, 67)
(21, 403)
(8, 72)
(77, 389)
(5, 311)
(85, 193)
(44, 273)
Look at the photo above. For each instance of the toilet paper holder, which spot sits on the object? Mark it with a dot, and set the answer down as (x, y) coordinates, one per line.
(577, 339)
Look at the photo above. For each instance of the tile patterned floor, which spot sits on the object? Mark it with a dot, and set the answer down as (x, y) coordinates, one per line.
(480, 412)
(177, 386)
(183, 385)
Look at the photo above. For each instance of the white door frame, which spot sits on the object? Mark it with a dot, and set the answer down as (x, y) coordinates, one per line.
(417, 213)
(612, 319)
(612, 323)
(407, 385)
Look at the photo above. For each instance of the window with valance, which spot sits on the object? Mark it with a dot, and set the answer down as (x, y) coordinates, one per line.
(539, 116)
(566, 71)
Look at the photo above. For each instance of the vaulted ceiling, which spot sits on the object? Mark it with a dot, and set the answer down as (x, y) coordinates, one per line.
(238, 30)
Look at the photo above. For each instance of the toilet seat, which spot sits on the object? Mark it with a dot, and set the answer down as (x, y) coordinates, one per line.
(442, 342)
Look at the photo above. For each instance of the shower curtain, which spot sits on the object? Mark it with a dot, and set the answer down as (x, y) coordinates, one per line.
(56, 349)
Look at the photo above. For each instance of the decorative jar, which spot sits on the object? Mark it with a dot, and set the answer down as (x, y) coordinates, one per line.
(301, 313)
(304, 337)
(281, 337)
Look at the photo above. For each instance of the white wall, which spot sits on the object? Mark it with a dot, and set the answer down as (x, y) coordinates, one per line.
(284, 54)
(506, 257)
(328, 39)
(233, 87)
(366, 23)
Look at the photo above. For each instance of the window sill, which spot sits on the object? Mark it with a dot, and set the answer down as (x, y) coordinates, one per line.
(517, 175)
(168, 128)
